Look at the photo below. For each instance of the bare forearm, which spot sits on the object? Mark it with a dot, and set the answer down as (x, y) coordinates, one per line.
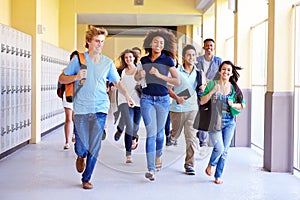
(64, 79)
(206, 98)
(171, 80)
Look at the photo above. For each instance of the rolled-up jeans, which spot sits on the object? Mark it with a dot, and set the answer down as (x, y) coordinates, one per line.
(89, 130)
(155, 110)
(221, 141)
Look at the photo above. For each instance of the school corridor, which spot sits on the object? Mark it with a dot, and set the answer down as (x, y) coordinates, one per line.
(46, 171)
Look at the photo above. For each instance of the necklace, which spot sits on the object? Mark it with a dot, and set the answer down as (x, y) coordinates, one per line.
(224, 89)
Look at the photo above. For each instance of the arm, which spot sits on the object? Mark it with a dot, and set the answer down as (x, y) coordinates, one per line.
(64, 79)
(174, 79)
(179, 100)
(123, 91)
(205, 98)
(238, 106)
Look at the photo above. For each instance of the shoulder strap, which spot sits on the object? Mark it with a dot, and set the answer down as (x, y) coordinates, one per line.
(81, 58)
(83, 65)
(199, 83)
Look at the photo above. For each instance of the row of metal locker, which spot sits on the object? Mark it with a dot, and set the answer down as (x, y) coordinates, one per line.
(16, 87)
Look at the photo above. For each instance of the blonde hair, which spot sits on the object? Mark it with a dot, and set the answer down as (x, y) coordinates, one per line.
(92, 32)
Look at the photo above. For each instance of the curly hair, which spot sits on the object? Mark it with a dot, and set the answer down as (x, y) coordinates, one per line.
(170, 46)
(123, 64)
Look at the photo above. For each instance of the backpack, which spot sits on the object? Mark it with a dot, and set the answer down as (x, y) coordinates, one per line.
(68, 89)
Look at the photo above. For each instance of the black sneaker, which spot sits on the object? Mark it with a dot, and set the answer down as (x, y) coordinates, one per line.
(189, 170)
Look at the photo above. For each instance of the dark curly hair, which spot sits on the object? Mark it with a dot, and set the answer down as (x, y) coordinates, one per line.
(233, 79)
(170, 46)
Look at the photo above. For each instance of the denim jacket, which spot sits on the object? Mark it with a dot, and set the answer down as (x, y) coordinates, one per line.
(211, 73)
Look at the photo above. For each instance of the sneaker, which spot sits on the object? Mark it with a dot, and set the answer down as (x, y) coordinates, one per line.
(189, 170)
(80, 164)
(87, 185)
(150, 176)
(117, 136)
(67, 146)
(171, 142)
(104, 135)
(129, 159)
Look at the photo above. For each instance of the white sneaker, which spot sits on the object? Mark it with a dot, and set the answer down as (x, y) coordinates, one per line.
(67, 146)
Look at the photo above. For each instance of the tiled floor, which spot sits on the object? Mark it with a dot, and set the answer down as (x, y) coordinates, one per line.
(46, 171)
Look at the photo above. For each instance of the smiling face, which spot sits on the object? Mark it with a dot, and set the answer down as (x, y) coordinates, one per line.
(129, 58)
(209, 47)
(157, 44)
(96, 44)
(189, 57)
(225, 72)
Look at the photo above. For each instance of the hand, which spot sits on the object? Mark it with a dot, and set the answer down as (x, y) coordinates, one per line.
(216, 88)
(141, 73)
(181, 100)
(81, 74)
(230, 102)
(130, 102)
(202, 87)
(155, 72)
(113, 88)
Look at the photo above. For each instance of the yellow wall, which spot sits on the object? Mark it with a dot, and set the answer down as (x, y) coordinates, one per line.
(209, 23)
(127, 6)
(115, 45)
(50, 20)
(224, 27)
(243, 24)
(280, 71)
(68, 24)
(81, 29)
(5, 12)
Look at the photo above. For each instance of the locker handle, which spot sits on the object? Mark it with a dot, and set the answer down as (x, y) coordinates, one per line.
(13, 50)
(3, 132)
(8, 49)
(3, 48)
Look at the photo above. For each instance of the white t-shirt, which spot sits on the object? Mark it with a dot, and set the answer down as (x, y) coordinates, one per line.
(129, 83)
(206, 65)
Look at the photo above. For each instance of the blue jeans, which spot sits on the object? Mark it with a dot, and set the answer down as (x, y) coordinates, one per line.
(155, 110)
(89, 130)
(221, 141)
(132, 117)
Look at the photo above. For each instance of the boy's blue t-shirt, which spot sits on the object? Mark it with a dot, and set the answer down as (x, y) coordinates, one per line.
(92, 97)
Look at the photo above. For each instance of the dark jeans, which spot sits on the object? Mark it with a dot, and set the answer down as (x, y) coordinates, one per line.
(132, 117)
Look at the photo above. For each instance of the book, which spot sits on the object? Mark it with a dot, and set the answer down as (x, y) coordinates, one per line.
(185, 92)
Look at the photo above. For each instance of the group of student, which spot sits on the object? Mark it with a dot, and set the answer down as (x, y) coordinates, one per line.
(157, 79)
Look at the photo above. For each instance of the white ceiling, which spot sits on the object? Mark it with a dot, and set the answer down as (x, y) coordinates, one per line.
(145, 19)
(138, 19)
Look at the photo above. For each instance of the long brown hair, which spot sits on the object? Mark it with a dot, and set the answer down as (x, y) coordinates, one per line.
(123, 64)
